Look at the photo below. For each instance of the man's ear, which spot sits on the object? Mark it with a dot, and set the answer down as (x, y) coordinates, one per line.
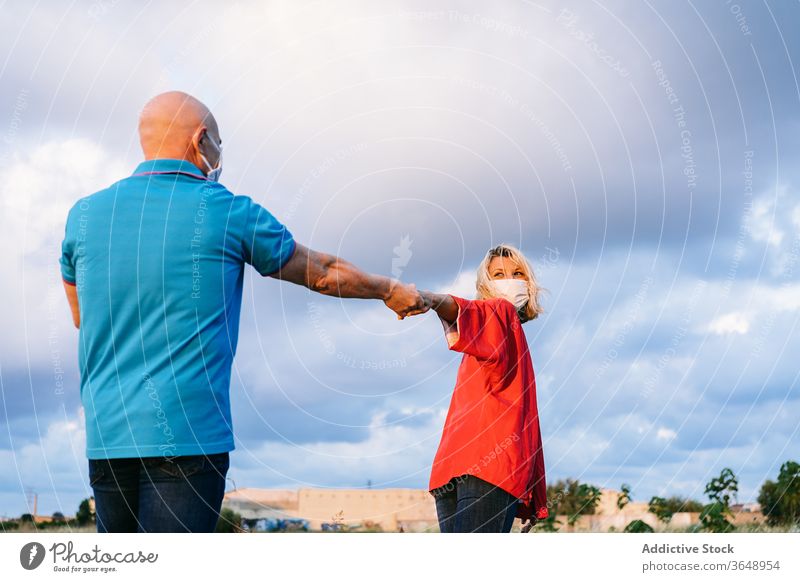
(198, 135)
(194, 145)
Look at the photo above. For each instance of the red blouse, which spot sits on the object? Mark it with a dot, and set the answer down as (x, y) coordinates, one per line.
(492, 428)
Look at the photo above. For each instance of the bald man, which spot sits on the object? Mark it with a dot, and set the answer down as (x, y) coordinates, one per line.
(153, 268)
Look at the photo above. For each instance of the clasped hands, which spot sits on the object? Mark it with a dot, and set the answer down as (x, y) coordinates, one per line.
(405, 300)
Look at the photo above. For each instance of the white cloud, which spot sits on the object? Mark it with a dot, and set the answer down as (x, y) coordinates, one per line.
(462, 286)
(54, 467)
(730, 323)
(774, 220)
(763, 225)
(665, 434)
(39, 187)
(765, 300)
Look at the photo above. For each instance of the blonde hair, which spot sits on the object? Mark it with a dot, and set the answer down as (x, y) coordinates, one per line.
(533, 308)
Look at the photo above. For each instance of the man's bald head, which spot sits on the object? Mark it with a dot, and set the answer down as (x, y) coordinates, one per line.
(176, 125)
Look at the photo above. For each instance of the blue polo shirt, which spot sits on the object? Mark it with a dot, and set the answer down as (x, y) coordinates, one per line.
(158, 260)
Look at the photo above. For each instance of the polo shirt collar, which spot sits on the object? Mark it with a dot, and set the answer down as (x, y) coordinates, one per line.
(168, 165)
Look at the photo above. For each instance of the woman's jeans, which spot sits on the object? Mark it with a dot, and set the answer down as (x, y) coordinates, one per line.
(159, 494)
(470, 504)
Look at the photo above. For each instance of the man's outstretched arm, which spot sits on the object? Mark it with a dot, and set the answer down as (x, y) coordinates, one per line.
(331, 275)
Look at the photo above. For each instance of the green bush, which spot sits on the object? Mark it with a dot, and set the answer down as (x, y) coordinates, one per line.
(229, 521)
(658, 507)
(85, 515)
(780, 502)
(677, 504)
(570, 498)
(638, 526)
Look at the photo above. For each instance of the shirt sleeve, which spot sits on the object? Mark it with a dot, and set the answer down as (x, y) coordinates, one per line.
(267, 244)
(481, 328)
(67, 260)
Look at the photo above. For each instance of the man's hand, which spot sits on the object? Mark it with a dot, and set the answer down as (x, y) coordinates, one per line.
(405, 300)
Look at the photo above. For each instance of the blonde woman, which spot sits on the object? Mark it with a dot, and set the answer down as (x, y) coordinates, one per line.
(489, 467)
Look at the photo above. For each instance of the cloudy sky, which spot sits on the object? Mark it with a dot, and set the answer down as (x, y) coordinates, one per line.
(643, 156)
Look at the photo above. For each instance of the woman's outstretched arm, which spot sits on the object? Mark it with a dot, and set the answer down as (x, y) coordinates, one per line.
(443, 304)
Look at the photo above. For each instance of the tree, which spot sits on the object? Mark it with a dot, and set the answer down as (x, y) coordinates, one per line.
(720, 490)
(570, 498)
(724, 487)
(548, 524)
(85, 515)
(229, 521)
(658, 506)
(588, 496)
(678, 504)
(780, 502)
(26, 518)
(624, 497)
(58, 517)
(638, 526)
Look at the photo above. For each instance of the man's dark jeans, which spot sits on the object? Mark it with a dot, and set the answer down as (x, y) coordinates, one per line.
(159, 494)
(470, 504)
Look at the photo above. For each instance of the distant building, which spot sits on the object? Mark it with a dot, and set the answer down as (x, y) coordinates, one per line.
(42, 519)
(746, 507)
(386, 509)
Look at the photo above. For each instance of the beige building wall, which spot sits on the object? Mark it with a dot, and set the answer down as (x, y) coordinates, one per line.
(391, 509)
(413, 509)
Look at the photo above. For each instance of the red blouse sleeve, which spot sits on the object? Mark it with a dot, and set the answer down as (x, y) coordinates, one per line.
(482, 328)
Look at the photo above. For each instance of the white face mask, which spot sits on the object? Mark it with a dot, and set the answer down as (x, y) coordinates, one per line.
(213, 173)
(515, 290)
